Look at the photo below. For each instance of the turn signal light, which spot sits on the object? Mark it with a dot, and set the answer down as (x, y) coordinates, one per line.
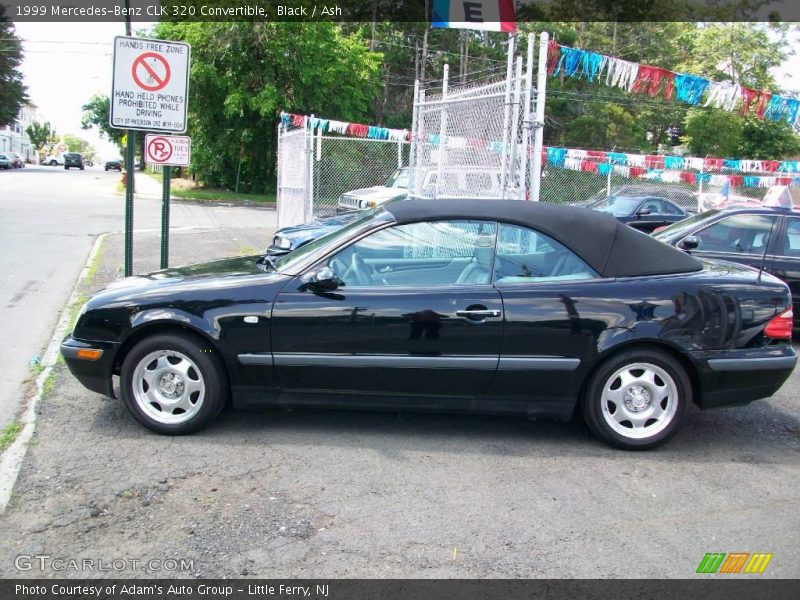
(89, 354)
(780, 327)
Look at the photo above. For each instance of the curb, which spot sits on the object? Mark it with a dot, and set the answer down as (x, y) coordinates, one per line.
(11, 459)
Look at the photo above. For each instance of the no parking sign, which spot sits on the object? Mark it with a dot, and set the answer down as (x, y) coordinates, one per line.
(170, 150)
(150, 85)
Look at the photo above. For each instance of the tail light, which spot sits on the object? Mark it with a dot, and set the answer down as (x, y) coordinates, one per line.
(780, 327)
(657, 229)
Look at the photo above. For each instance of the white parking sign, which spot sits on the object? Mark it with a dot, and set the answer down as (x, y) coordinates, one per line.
(150, 86)
(171, 150)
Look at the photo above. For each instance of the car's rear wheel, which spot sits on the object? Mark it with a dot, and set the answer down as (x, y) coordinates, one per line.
(173, 384)
(636, 399)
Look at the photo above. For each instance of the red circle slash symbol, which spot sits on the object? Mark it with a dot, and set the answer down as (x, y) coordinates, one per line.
(159, 149)
(154, 70)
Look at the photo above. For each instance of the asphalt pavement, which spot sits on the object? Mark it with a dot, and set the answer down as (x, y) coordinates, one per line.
(50, 219)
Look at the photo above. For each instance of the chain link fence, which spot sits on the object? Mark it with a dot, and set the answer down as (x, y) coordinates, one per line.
(472, 140)
(344, 164)
(590, 180)
(315, 170)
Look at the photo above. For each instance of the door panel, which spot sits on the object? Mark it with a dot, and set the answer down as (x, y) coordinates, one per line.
(389, 340)
(786, 263)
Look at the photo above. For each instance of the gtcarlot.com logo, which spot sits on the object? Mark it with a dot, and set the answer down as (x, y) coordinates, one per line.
(45, 562)
(734, 562)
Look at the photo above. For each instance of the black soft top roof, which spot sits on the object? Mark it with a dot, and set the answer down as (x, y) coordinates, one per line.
(608, 246)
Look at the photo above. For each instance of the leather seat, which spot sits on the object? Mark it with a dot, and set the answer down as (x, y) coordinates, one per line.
(479, 270)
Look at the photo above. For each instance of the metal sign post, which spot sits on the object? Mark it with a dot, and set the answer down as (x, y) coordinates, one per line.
(149, 92)
(167, 151)
(538, 124)
(165, 217)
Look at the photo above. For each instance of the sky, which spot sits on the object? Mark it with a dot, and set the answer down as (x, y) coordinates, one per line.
(65, 64)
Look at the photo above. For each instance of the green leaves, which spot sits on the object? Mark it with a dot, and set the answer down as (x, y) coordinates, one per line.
(244, 74)
(13, 94)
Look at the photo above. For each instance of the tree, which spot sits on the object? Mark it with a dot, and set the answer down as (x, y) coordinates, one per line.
(769, 140)
(244, 74)
(13, 94)
(95, 114)
(713, 132)
(40, 134)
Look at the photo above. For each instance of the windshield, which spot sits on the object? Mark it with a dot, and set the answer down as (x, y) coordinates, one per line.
(618, 206)
(399, 179)
(297, 260)
(683, 228)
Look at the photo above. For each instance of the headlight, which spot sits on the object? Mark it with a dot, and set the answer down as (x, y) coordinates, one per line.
(281, 242)
(367, 204)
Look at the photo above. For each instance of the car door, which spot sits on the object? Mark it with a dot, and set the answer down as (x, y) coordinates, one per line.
(414, 314)
(786, 262)
(655, 217)
(552, 300)
(739, 237)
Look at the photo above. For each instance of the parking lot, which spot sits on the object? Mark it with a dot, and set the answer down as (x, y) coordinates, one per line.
(313, 493)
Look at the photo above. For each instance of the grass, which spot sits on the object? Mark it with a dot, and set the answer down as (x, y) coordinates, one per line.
(8, 435)
(204, 194)
(49, 385)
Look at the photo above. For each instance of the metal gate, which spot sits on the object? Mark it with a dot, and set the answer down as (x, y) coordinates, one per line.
(477, 140)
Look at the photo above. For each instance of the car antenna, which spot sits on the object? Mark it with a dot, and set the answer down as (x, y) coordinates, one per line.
(766, 247)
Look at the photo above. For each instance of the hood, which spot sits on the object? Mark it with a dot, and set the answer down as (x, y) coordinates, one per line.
(378, 192)
(210, 277)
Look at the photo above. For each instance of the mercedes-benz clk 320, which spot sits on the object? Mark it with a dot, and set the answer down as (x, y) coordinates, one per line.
(456, 305)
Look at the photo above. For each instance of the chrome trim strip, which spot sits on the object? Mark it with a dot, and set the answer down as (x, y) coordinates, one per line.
(752, 364)
(255, 359)
(538, 363)
(292, 359)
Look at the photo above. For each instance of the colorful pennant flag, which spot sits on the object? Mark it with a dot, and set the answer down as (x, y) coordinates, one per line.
(485, 15)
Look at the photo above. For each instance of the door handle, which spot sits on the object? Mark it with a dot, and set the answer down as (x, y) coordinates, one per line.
(477, 313)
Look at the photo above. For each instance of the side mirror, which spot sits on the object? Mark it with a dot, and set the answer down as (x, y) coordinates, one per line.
(690, 242)
(642, 211)
(320, 280)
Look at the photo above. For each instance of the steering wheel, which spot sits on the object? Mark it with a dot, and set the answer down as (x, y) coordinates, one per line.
(339, 267)
(358, 271)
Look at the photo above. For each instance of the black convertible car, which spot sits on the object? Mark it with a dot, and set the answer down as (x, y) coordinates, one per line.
(501, 306)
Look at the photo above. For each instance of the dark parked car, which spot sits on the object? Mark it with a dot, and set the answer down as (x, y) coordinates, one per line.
(750, 236)
(501, 306)
(73, 159)
(287, 239)
(645, 213)
(5, 161)
(113, 165)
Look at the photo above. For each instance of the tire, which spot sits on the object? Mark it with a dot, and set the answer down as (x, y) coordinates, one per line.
(66, 168)
(53, 163)
(636, 399)
(189, 383)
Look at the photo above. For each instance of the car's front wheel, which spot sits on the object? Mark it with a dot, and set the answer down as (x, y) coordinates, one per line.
(173, 384)
(636, 400)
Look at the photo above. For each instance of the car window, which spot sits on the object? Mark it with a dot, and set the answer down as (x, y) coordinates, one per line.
(618, 206)
(399, 179)
(654, 205)
(671, 209)
(741, 234)
(527, 256)
(420, 254)
(478, 182)
(791, 244)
